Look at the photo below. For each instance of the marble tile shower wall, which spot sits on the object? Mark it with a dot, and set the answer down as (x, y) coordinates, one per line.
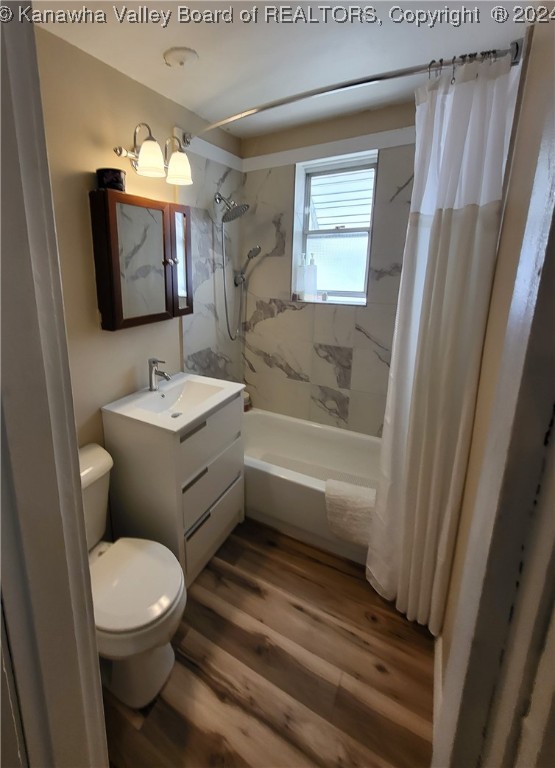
(206, 347)
(325, 363)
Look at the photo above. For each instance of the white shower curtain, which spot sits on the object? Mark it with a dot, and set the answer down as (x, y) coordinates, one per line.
(462, 135)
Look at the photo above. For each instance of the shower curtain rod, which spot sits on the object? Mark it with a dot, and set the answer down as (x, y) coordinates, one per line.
(515, 50)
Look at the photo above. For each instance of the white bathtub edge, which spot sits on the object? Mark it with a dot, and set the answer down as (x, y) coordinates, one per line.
(285, 474)
(289, 500)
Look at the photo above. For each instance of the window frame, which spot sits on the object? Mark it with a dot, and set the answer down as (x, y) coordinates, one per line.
(304, 174)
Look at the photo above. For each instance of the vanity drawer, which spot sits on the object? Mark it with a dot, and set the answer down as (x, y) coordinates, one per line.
(209, 532)
(212, 480)
(207, 439)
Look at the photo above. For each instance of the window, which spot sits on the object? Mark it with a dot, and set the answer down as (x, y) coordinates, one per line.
(332, 253)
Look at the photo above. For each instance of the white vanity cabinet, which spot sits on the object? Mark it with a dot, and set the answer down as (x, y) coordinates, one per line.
(182, 488)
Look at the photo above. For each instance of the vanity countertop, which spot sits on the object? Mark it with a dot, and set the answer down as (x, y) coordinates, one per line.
(177, 404)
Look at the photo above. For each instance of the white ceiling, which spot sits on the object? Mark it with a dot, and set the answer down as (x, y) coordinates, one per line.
(242, 65)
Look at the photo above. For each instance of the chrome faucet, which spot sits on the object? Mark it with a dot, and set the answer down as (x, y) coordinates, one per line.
(153, 372)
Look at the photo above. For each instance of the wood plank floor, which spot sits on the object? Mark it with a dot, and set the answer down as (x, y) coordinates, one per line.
(286, 657)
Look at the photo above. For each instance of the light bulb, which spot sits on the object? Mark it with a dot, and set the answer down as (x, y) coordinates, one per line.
(179, 169)
(151, 161)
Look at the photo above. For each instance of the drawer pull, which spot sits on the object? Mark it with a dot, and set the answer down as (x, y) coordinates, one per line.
(203, 518)
(223, 493)
(192, 432)
(194, 480)
(196, 526)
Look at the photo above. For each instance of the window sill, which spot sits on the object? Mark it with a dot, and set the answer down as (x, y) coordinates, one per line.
(335, 300)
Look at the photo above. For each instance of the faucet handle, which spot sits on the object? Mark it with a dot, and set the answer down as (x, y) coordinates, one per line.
(155, 361)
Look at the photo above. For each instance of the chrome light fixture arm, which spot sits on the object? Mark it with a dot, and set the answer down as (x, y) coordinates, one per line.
(133, 154)
(180, 147)
(129, 153)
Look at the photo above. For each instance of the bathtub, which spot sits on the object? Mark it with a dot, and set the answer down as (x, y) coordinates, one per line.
(287, 463)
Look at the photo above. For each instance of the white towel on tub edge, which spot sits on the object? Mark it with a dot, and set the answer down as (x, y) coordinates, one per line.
(348, 510)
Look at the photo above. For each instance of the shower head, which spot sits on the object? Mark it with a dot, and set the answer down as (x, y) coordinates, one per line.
(233, 210)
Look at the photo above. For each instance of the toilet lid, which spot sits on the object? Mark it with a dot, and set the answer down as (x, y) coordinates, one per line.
(134, 582)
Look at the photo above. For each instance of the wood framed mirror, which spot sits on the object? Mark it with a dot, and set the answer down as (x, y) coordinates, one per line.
(142, 259)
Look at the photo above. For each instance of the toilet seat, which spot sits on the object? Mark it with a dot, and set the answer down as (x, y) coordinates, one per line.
(135, 582)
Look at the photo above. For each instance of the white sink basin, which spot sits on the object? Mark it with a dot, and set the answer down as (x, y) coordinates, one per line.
(178, 397)
(178, 402)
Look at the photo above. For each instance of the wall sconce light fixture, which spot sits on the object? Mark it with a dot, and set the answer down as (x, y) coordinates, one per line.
(147, 158)
(179, 168)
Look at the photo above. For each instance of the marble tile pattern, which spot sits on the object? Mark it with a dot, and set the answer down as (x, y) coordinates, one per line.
(333, 363)
(329, 364)
(207, 349)
(333, 404)
(210, 362)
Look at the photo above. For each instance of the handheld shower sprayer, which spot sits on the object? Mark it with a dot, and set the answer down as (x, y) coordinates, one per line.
(240, 276)
(252, 254)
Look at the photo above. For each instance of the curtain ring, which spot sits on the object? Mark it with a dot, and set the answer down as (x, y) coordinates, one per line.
(440, 71)
(430, 65)
(453, 65)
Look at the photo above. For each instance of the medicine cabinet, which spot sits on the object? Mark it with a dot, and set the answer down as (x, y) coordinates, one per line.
(142, 259)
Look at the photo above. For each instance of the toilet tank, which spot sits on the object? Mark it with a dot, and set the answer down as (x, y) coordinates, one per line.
(95, 464)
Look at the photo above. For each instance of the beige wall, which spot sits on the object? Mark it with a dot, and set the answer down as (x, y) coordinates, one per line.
(345, 127)
(537, 100)
(88, 109)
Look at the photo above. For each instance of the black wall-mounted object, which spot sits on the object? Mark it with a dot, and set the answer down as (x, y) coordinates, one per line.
(110, 178)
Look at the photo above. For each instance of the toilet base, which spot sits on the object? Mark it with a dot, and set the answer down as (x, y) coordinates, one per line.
(138, 679)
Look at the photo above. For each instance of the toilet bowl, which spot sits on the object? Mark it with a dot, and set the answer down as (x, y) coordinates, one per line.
(138, 594)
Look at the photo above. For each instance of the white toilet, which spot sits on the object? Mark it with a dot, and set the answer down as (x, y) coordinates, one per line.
(138, 595)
